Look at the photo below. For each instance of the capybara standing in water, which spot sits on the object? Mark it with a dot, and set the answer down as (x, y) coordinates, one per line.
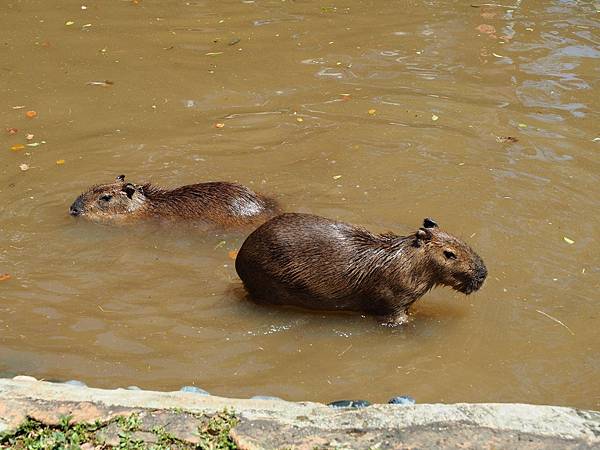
(217, 203)
(316, 263)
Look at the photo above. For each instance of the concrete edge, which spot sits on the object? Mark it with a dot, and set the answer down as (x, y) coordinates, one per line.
(537, 420)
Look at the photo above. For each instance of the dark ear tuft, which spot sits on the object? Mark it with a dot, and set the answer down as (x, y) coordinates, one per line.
(429, 223)
(121, 178)
(129, 189)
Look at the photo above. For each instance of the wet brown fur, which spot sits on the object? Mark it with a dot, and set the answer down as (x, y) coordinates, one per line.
(218, 203)
(312, 262)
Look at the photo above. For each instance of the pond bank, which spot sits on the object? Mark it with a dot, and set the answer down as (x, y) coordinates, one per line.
(185, 419)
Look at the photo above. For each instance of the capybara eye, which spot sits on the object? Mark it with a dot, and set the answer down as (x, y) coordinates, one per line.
(106, 197)
(449, 254)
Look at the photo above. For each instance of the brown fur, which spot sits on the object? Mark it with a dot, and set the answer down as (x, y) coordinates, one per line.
(316, 263)
(219, 203)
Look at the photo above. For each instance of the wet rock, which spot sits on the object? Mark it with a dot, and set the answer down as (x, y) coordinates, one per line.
(356, 404)
(194, 390)
(75, 383)
(265, 397)
(402, 400)
(133, 388)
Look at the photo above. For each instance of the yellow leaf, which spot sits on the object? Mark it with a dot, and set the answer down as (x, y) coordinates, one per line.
(60, 162)
(372, 111)
(17, 147)
(568, 241)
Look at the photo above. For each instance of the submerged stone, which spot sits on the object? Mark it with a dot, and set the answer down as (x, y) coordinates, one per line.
(194, 390)
(75, 383)
(349, 404)
(265, 397)
(402, 400)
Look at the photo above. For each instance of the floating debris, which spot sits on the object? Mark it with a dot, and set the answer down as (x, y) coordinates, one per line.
(505, 139)
(568, 240)
(31, 114)
(104, 83)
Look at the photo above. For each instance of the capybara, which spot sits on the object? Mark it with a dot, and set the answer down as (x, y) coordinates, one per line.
(312, 262)
(218, 203)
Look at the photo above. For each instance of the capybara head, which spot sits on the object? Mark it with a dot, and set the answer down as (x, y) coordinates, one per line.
(109, 201)
(454, 262)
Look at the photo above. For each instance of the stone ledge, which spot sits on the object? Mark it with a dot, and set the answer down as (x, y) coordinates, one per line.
(280, 424)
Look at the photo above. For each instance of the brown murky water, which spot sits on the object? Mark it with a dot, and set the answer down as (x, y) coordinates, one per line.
(376, 112)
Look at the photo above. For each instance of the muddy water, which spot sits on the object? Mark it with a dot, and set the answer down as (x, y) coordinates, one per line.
(378, 113)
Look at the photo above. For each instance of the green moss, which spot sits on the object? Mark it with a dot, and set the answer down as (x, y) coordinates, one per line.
(33, 435)
(214, 433)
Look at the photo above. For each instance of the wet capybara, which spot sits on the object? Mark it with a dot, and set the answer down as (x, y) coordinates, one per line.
(218, 203)
(316, 263)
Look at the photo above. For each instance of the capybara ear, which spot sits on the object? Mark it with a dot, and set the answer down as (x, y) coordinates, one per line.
(121, 178)
(429, 223)
(423, 234)
(129, 189)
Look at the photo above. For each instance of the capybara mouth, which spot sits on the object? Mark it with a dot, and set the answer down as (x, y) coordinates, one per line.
(473, 284)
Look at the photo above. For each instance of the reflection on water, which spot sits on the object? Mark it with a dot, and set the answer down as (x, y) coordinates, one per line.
(483, 117)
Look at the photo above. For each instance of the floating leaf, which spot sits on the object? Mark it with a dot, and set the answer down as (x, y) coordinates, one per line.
(69, 23)
(434, 117)
(31, 114)
(17, 147)
(24, 167)
(60, 162)
(33, 144)
(372, 111)
(522, 125)
(299, 119)
(219, 125)
(232, 254)
(29, 137)
(568, 241)
(12, 130)
(5, 276)
(336, 177)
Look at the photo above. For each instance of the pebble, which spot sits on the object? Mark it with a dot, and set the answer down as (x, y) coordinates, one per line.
(402, 400)
(194, 390)
(356, 404)
(24, 378)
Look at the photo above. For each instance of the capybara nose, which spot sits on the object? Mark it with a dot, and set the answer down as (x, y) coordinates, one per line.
(76, 208)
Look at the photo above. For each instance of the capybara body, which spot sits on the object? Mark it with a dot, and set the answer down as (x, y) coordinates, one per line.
(312, 262)
(217, 203)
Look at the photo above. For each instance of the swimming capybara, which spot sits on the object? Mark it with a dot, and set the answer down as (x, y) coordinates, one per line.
(217, 203)
(316, 263)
